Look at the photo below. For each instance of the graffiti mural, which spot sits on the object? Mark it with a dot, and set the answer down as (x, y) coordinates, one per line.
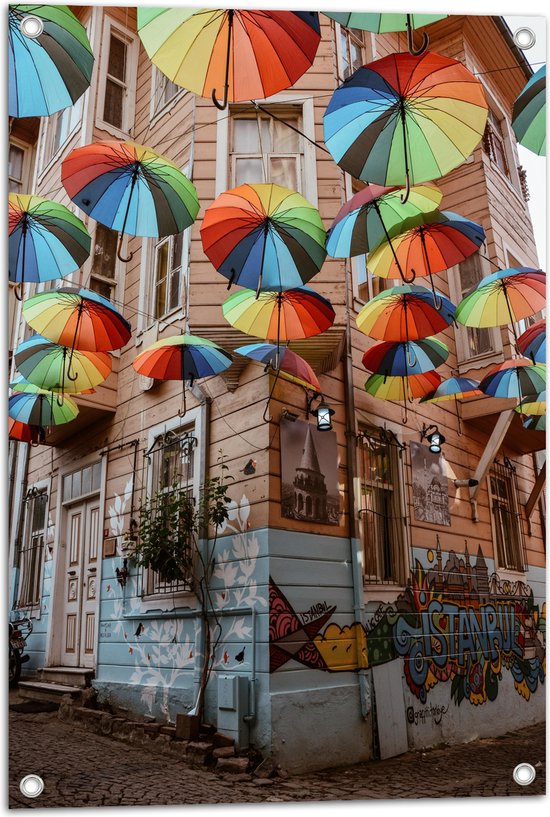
(454, 623)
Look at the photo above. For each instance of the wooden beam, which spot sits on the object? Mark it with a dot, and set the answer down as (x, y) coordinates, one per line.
(491, 449)
(536, 492)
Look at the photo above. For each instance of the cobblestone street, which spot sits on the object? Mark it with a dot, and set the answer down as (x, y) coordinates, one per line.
(83, 769)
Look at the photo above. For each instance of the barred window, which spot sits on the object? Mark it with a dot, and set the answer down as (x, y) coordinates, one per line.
(31, 552)
(503, 493)
(494, 143)
(478, 341)
(383, 522)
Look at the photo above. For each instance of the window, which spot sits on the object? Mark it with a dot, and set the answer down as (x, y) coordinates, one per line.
(264, 149)
(117, 78)
(167, 275)
(524, 323)
(82, 482)
(382, 517)
(171, 468)
(16, 168)
(115, 85)
(164, 91)
(503, 495)
(30, 555)
(478, 342)
(351, 53)
(102, 278)
(494, 143)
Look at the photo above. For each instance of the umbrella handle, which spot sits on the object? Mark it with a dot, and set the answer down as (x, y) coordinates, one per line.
(184, 405)
(60, 402)
(118, 249)
(233, 273)
(221, 106)
(17, 289)
(404, 196)
(408, 280)
(416, 52)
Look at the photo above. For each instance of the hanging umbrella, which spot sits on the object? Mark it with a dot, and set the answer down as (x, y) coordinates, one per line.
(78, 318)
(534, 423)
(250, 54)
(46, 240)
(405, 119)
(391, 358)
(402, 389)
(518, 378)
(51, 366)
(383, 23)
(23, 385)
(532, 342)
(25, 433)
(454, 388)
(182, 357)
(264, 236)
(50, 67)
(536, 407)
(441, 241)
(504, 297)
(292, 367)
(377, 213)
(130, 188)
(404, 313)
(41, 409)
(529, 114)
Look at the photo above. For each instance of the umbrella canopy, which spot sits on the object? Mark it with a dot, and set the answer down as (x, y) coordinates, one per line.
(518, 378)
(23, 385)
(130, 188)
(291, 315)
(405, 313)
(182, 357)
(536, 407)
(405, 119)
(382, 23)
(58, 368)
(78, 318)
(45, 240)
(292, 367)
(41, 409)
(244, 54)
(534, 423)
(529, 114)
(50, 70)
(377, 213)
(402, 389)
(24, 432)
(532, 342)
(393, 359)
(264, 236)
(454, 388)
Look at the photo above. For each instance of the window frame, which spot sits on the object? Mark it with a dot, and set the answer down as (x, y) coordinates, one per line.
(37, 556)
(341, 31)
(156, 112)
(117, 29)
(26, 164)
(514, 513)
(265, 158)
(169, 311)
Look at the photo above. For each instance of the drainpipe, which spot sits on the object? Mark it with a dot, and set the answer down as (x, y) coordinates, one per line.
(18, 532)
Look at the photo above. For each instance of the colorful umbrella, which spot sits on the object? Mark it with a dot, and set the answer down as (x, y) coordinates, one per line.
(441, 241)
(532, 343)
(292, 367)
(534, 423)
(518, 378)
(78, 318)
(182, 357)
(51, 366)
(536, 407)
(375, 213)
(291, 315)
(382, 23)
(402, 389)
(264, 236)
(504, 297)
(405, 119)
(454, 388)
(404, 313)
(391, 358)
(529, 114)
(250, 54)
(130, 188)
(46, 240)
(23, 385)
(41, 409)
(24, 432)
(50, 67)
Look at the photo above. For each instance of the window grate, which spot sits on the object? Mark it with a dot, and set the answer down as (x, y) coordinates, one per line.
(509, 543)
(30, 555)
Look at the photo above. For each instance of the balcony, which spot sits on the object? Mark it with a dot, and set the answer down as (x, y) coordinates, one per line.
(483, 413)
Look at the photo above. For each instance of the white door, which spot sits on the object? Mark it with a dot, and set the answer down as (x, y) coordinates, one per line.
(80, 614)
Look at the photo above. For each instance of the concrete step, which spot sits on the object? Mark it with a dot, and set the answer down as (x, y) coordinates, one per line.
(70, 676)
(41, 691)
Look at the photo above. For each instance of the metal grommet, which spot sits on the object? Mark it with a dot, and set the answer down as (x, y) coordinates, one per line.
(32, 26)
(525, 38)
(32, 785)
(524, 774)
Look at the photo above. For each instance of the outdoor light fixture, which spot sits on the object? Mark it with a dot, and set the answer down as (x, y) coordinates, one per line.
(122, 574)
(323, 413)
(466, 483)
(434, 437)
(289, 415)
(250, 467)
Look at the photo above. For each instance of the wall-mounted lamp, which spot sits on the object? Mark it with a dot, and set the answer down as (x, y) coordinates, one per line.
(288, 415)
(122, 573)
(323, 413)
(466, 483)
(249, 468)
(434, 437)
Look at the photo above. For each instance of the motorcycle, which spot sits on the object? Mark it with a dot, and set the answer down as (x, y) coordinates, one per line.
(20, 630)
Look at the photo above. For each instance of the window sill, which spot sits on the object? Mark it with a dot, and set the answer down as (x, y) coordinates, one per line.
(508, 574)
(480, 362)
(164, 603)
(118, 133)
(161, 323)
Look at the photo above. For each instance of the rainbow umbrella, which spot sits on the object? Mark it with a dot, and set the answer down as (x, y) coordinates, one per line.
(292, 367)
(50, 68)
(375, 213)
(454, 388)
(251, 54)
(534, 423)
(536, 407)
(78, 318)
(405, 119)
(529, 114)
(391, 358)
(130, 188)
(518, 378)
(504, 297)
(182, 357)
(58, 368)
(441, 241)
(532, 342)
(402, 389)
(264, 236)
(388, 22)
(24, 432)
(41, 409)
(45, 240)
(405, 313)
(20, 384)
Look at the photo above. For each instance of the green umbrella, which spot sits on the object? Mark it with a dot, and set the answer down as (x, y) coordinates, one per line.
(41, 409)
(382, 23)
(529, 114)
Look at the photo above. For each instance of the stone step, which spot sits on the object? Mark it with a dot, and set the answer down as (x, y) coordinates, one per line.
(69, 676)
(41, 691)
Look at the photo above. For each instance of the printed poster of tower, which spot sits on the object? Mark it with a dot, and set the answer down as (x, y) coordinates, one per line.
(309, 466)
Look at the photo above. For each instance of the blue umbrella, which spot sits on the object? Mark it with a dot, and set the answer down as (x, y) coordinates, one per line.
(529, 114)
(518, 378)
(403, 359)
(454, 388)
(41, 409)
(532, 342)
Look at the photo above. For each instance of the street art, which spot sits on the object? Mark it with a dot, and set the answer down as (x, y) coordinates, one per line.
(454, 623)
